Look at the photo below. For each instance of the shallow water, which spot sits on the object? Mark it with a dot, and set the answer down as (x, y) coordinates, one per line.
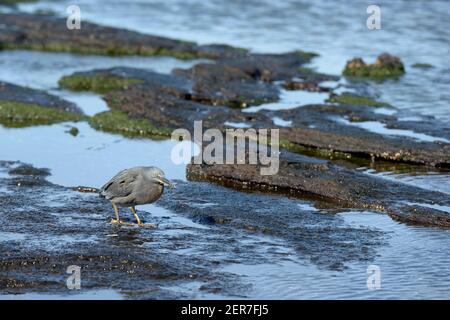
(89, 159)
(378, 127)
(337, 31)
(42, 70)
(291, 100)
(414, 262)
(403, 273)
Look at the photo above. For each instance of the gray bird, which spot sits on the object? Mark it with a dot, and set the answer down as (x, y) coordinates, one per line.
(132, 187)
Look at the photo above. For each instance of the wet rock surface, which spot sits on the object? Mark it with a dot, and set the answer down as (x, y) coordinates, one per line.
(310, 231)
(221, 84)
(321, 127)
(50, 33)
(15, 93)
(169, 101)
(55, 227)
(308, 177)
(23, 107)
(47, 228)
(210, 84)
(421, 215)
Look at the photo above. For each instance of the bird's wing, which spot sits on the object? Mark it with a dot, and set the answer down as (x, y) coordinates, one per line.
(121, 185)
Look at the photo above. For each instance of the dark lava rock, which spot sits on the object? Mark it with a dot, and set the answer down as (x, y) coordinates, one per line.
(307, 177)
(50, 33)
(220, 84)
(312, 233)
(27, 170)
(421, 215)
(15, 93)
(170, 101)
(271, 67)
(205, 83)
(46, 228)
(332, 128)
(307, 86)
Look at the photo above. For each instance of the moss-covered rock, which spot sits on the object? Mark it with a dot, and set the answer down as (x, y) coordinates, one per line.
(307, 55)
(18, 114)
(96, 83)
(73, 131)
(422, 65)
(14, 2)
(352, 99)
(385, 66)
(111, 50)
(120, 122)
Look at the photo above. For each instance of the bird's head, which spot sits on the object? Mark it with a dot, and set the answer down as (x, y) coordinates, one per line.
(158, 176)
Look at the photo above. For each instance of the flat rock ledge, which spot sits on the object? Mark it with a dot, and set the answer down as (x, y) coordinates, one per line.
(174, 101)
(22, 107)
(302, 176)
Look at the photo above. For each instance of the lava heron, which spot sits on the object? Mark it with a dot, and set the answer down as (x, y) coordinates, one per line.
(132, 187)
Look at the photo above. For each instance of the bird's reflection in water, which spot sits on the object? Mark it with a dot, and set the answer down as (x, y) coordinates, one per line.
(121, 236)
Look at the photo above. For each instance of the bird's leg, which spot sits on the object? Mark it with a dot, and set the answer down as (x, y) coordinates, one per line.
(116, 211)
(136, 215)
(139, 222)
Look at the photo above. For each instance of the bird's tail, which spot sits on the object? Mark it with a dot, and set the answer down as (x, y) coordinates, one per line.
(86, 189)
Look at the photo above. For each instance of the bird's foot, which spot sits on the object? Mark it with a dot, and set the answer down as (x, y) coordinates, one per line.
(143, 225)
(116, 221)
(123, 223)
(147, 225)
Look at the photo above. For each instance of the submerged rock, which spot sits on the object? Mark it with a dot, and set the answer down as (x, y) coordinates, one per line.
(352, 99)
(385, 66)
(22, 107)
(422, 65)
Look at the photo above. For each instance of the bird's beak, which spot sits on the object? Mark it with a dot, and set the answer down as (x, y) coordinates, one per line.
(164, 182)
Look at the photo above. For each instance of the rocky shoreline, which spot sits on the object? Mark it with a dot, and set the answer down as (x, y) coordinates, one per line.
(148, 104)
(233, 210)
(60, 233)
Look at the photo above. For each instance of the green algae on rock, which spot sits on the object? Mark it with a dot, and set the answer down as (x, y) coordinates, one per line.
(120, 122)
(385, 66)
(18, 114)
(73, 131)
(19, 32)
(353, 99)
(96, 83)
(307, 55)
(14, 2)
(422, 65)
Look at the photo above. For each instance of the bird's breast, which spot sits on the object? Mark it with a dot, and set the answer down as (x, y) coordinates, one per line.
(150, 194)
